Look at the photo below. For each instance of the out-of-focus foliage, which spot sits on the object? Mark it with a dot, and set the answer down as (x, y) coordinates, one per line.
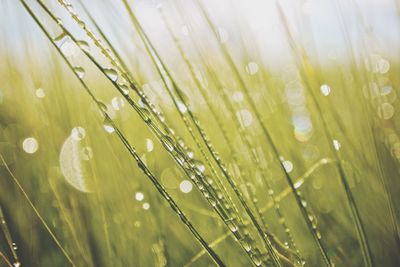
(72, 194)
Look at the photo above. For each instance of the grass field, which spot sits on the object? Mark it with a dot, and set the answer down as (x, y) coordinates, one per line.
(194, 133)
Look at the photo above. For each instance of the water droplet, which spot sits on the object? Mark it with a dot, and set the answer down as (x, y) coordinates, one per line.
(146, 206)
(149, 145)
(336, 144)
(252, 68)
(111, 73)
(145, 114)
(30, 145)
(108, 128)
(139, 196)
(237, 96)
(124, 88)
(182, 107)
(83, 44)
(185, 186)
(80, 72)
(223, 35)
(71, 164)
(40, 93)
(168, 142)
(383, 66)
(288, 165)
(244, 117)
(232, 225)
(117, 103)
(385, 111)
(325, 89)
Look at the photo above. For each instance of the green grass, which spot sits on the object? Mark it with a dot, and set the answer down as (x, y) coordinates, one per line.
(124, 148)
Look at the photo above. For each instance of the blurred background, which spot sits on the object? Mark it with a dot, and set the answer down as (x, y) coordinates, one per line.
(321, 76)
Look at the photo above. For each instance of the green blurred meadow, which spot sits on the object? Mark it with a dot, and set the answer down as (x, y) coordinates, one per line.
(278, 138)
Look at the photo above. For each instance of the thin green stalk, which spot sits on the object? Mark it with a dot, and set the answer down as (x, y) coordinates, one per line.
(164, 71)
(302, 60)
(131, 150)
(267, 135)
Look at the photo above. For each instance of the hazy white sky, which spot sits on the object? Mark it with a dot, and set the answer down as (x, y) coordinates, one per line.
(318, 20)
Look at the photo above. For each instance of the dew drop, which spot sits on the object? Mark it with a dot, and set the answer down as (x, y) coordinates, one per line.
(186, 186)
(168, 142)
(139, 196)
(237, 96)
(108, 128)
(182, 107)
(244, 117)
(146, 206)
(223, 35)
(80, 72)
(252, 68)
(336, 144)
(30, 145)
(149, 145)
(83, 44)
(385, 111)
(288, 165)
(117, 103)
(325, 89)
(40, 93)
(111, 73)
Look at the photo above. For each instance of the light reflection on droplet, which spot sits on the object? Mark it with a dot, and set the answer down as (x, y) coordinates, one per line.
(108, 128)
(146, 206)
(252, 68)
(325, 89)
(223, 35)
(149, 145)
(71, 163)
(245, 118)
(385, 111)
(40, 93)
(117, 103)
(30, 145)
(288, 165)
(237, 96)
(185, 186)
(336, 144)
(182, 107)
(139, 196)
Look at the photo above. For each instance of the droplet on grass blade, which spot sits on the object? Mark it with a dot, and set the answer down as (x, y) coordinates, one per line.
(336, 144)
(117, 103)
(149, 145)
(252, 68)
(325, 89)
(288, 165)
(111, 73)
(80, 72)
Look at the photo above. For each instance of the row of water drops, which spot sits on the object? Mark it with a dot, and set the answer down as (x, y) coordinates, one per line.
(194, 173)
